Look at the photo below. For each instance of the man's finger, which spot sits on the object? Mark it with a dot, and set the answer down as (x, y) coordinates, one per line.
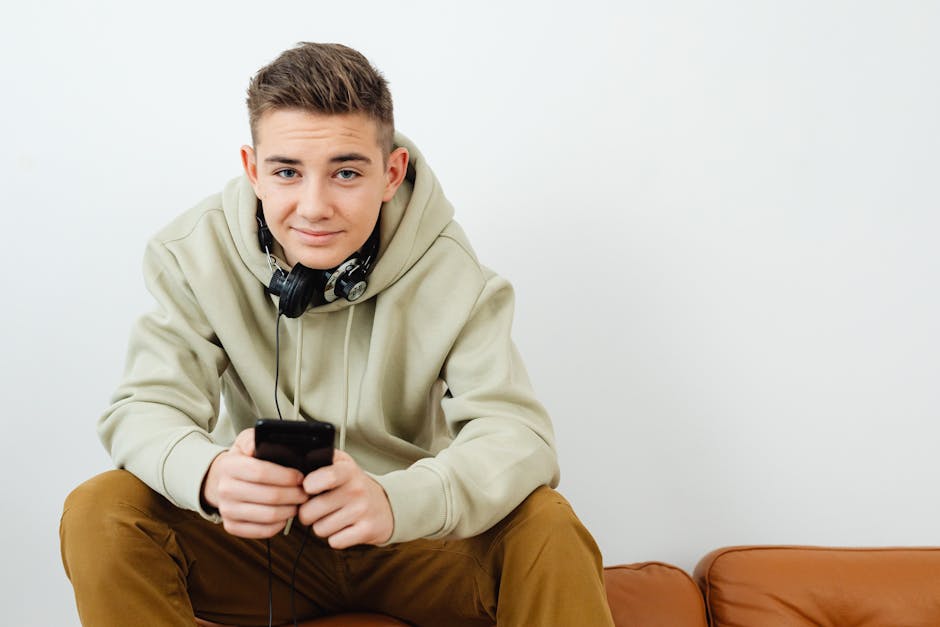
(328, 524)
(252, 513)
(330, 477)
(264, 472)
(350, 536)
(253, 530)
(248, 492)
(320, 506)
(245, 442)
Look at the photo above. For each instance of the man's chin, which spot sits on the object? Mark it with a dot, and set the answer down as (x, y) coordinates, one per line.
(321, 261)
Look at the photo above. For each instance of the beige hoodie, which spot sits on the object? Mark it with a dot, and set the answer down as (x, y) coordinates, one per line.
(420, 377)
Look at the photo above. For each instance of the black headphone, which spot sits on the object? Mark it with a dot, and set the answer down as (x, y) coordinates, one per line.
(305, 287)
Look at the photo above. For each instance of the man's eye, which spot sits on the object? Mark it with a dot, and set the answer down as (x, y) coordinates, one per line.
(286, 173)
(347, 175)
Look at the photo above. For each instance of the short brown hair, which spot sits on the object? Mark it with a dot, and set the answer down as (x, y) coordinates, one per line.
(322, 78)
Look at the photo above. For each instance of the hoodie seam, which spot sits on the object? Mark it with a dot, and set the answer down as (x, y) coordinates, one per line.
(447, 515)
(469, 253)
(166, 456)
(167, 244)
(196, 223)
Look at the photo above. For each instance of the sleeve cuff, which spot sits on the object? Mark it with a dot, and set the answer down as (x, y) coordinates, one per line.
(184, 468)
(419, 501)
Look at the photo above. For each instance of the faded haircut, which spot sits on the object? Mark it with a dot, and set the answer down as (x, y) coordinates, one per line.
(323, 78)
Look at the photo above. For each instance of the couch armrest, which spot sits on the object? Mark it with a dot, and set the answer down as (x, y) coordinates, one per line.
(794, 586)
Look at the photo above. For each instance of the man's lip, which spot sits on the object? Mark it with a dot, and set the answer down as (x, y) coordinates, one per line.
(309, 237)
(315, 233)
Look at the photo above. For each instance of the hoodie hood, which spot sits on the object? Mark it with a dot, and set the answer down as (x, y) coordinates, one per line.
(408, 225)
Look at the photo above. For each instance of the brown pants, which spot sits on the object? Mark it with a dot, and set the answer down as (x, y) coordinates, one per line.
(134, 558)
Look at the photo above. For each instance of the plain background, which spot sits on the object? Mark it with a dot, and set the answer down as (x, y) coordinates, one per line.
(720, 218)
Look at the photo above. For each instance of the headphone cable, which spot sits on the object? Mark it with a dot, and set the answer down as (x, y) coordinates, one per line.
(293, 576)
(267, 541)
(277, 363)
(303, 543)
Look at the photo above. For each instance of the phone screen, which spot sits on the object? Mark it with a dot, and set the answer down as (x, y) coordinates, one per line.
(303, 445)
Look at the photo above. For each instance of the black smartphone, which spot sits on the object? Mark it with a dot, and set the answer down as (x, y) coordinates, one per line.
(298, 444)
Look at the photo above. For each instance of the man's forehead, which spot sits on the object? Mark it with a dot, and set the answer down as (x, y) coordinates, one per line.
(331, 136)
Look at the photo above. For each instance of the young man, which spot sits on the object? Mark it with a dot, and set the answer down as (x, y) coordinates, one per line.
(436, 508)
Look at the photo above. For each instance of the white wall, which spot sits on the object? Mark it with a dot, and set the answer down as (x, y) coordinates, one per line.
(721, 219)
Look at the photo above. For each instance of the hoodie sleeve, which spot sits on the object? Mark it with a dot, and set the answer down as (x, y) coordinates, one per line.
(157, 426)
(504, 445)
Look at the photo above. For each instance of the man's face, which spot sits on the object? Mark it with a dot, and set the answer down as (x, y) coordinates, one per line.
(322, 180)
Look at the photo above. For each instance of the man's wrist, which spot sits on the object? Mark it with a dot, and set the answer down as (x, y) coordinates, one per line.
(204, 503)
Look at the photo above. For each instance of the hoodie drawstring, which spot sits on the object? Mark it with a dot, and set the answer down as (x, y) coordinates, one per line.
(342, 429)
(297, 378)
(297, 364)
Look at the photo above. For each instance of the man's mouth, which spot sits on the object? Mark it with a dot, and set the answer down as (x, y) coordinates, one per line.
(316, 237)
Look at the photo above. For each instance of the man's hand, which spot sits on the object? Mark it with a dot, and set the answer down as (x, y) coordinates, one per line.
(255, 498)
(348, 506)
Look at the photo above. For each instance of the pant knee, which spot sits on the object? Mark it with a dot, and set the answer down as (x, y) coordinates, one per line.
(547, 521)
(101, 486)
(93, 501)
(99, 516)
(546, 509)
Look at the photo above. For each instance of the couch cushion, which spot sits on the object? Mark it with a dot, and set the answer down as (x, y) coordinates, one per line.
(653, 594)
(792, 586)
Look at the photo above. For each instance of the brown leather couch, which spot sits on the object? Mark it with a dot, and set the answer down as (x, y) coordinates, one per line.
(764, 586)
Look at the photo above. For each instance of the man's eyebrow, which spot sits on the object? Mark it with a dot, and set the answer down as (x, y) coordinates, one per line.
(350, 156)
(282, 160)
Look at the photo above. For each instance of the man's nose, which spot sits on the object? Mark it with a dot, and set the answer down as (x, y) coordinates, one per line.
(315, 203)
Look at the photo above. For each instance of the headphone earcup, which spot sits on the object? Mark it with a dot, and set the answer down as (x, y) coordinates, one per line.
(298, 291)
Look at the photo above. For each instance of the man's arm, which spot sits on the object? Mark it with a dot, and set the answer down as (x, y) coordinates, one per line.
(157, 426)
(504, 444)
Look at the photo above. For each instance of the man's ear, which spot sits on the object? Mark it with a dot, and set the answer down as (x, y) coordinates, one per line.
(395, 172)
(250, 164)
